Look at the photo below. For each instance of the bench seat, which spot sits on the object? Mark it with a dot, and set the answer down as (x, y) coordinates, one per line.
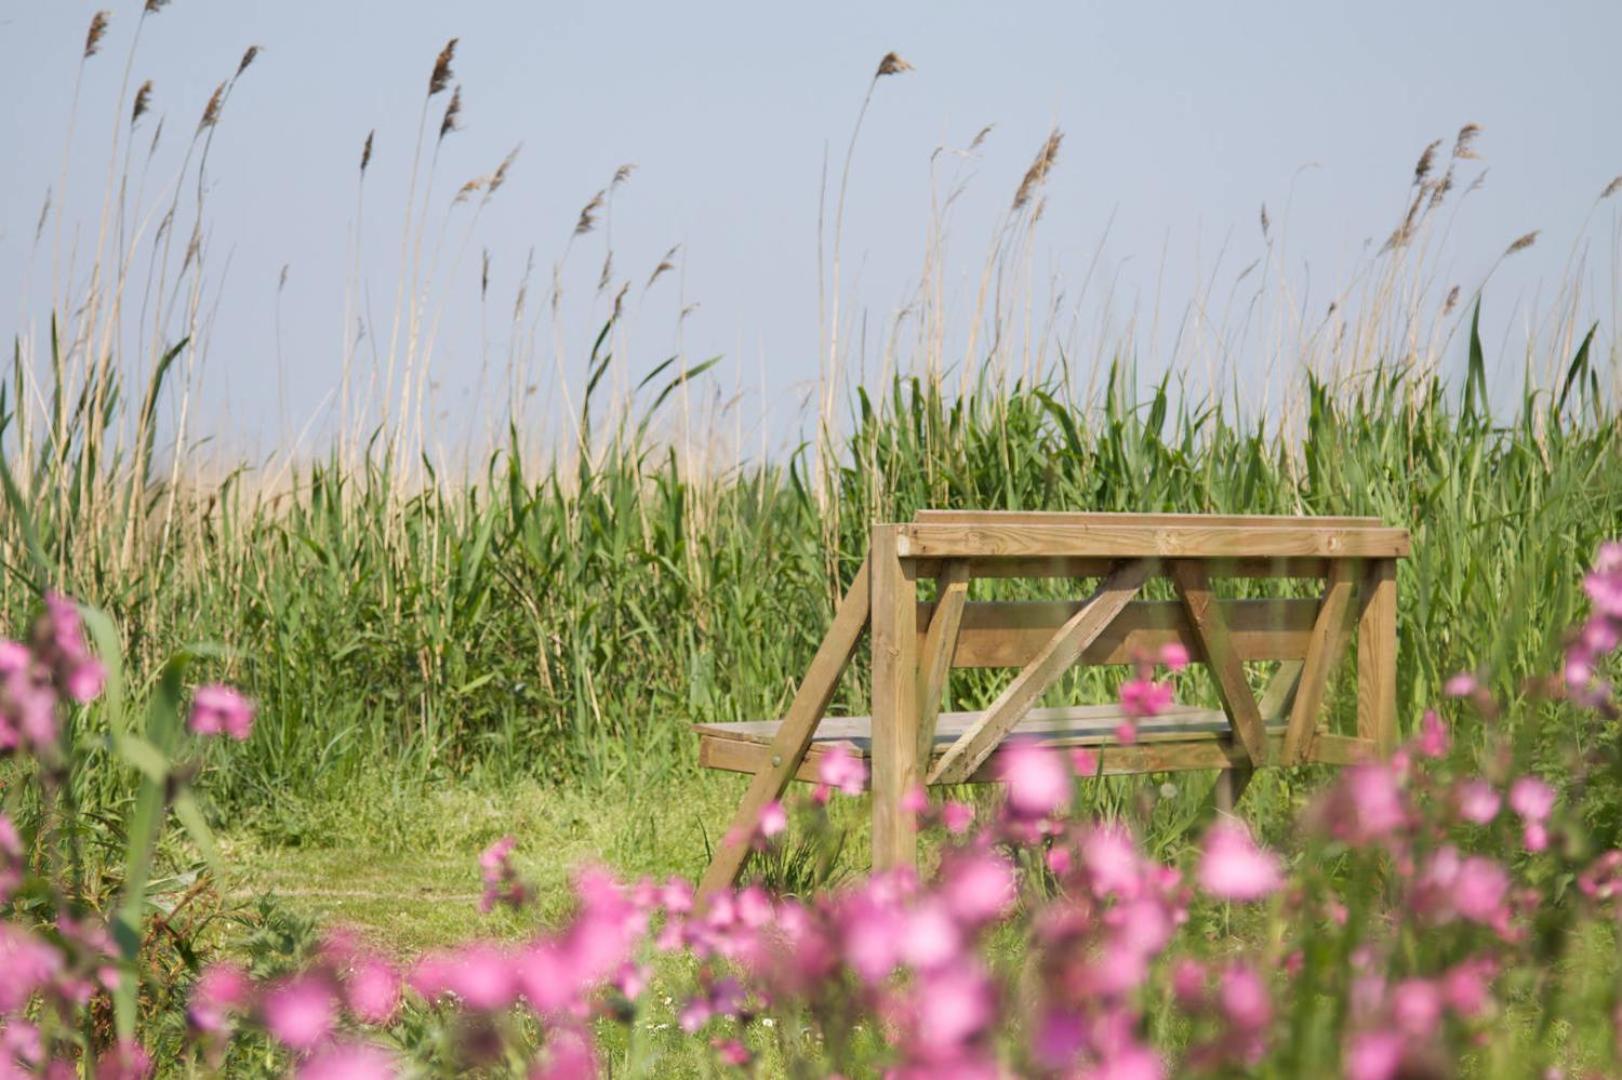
(1185, 737)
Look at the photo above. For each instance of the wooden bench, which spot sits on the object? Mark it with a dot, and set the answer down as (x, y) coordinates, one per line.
(915, 644)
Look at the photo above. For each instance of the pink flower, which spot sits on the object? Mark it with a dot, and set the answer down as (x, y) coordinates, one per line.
(1477, 801)
(1416, 1007)
(1126, 733)
(29, 963)
(1532, 799)
(731, 1052)
(59, 644)
(1174, 655)
(1083, 762)
(977, 887)
(372, 991)
(1244, 1000)
(220, 990)
(1038, 782)
(299, 1012)
(1433, 739)
(773, 819)
(1461, 685)
(218, 709)
(1112, 862)
(1465, 988)
(931, 938)
(1365, 805)
(1143, 697)
(1374, 1055)
(1234, 868)
(501, 882)
(957, 817)
(127, 1060)
(354, 1061)
(1480, 890)
(841, 769)
(954, 1006)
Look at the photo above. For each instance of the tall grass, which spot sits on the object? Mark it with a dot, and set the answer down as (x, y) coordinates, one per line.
(565, 611)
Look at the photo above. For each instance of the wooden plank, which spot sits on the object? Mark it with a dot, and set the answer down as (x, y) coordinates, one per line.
(895, 701)
(1170, 755)
(1011, 633)
(1328, 641)
(1077, 725)
(1377, 657)
(1064, 566)
(1216, 648)
(938, 646)
(1062, 650)
(1108, 517)
(788, 748)
(927, 541)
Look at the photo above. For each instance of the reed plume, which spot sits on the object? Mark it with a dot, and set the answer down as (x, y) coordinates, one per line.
(892, 64)
(211, 111)
(1038, 172)
(1611, 189)
(453, 114)
(143, 101)
(1427, 158)
(1464, 145)
(441, 76)
(588, 215)
(1522, 243)
(92, 39)
(248, 58)
(366, 151)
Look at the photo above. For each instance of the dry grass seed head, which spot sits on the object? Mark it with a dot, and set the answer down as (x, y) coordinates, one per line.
(441, 76)
(1039, 169)
(1266, 224)
(606, 278)
(453, 114)
(92, 38)
(366, 151)
(1440, 189)
(588, 215)
(1451, 302)
(1522, 243)
(1611, 189)
(666, 264)
(467, 189)
(484, 275)
(155, 6)
(211, 111)
(980, 137)
(248, 57)
(143, 101)
(892, 64)
(1464, 145)
(1422, 168)
(622, 174)
(499, 177)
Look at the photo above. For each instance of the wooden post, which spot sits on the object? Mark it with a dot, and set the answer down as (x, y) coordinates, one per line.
(1328, 641)
(940, 643)
(895, 701)
(1377, 657)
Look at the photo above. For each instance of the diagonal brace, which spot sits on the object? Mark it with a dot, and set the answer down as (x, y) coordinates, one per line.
(1324, 648)
(1216, 648)
(1055, 658)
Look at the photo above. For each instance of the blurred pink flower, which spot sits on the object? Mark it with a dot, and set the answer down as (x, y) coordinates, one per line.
(1477, 801)
(931, 937)
(1038, 782)
(500, 877)
(773, 819)
(29, 964)
(957, 817)
(955, 1005)
(1244, 1000)
(1142, 697)
(218, 709)
(1174, 655)
(1112, 862)
(731, 1052)
(1461, 685)
(1416, 1007)
(352, 1061)
(1433, 739)
(299, 1013)
(978, 887)
(1532, 799)
(841, 769)
(372, 990)
(59, 644)
(219, 991)
(1232, 867)
(1374, 1055)
(1480, 890)
(127, 1060)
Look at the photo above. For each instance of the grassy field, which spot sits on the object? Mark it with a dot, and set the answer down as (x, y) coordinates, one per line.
(441, 658)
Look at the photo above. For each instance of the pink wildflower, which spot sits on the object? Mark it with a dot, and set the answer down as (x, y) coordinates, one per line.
(1532, 799)
(1416, 1007)
(1142, 697)
(1477, 801)
(1374, 1055)
(978, 887)
(773, 819)
(843, 770)
(1480, 890)
(220, 990)
(1038, 782)
(353, 1061)
(500, 876)
(127, 1060)
(957, 817)
(1234, 868)
(1433, 739)
(59, 644)
(218, 709)
(1461, 685)
(1174, 655)
(372, 991)
(731, 1052)
(299, 1012)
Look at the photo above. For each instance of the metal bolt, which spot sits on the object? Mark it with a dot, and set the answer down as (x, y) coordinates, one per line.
(777, 759)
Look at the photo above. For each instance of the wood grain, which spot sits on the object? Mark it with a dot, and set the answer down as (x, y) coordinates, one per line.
(1377, 657)
(938, 647)
(947, 541)
(895, 701)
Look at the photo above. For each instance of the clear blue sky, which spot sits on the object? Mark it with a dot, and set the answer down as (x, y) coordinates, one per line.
(1181, 120)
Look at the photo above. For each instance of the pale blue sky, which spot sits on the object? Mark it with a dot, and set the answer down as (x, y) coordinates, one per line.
(1181, 120)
